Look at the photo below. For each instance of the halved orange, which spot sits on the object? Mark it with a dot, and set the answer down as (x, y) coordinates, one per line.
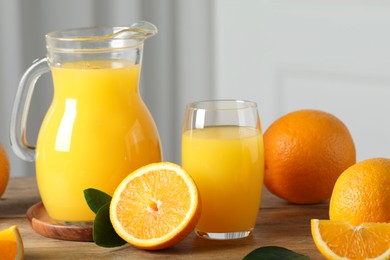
(11, 244)
(341, 240)
(156, 206)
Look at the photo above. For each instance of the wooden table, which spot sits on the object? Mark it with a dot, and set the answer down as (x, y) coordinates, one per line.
(278, 224)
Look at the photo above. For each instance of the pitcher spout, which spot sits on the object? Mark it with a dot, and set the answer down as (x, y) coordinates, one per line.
(139, 30)
(146, 28)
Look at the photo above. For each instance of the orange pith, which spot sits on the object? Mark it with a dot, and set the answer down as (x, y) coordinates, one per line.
(141, 189)
(155, 207)
(337, 239)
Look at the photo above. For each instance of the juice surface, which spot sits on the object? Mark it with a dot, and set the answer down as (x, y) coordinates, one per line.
(227, 165)
(96, 132)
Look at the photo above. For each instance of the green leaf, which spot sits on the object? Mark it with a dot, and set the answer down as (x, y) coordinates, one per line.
(274, 253)
(96, 199)
(103, 232)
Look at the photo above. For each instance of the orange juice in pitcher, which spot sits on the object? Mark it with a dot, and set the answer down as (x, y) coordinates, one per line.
(97, 129)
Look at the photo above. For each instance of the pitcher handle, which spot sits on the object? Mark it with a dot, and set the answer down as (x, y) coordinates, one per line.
(21, 107)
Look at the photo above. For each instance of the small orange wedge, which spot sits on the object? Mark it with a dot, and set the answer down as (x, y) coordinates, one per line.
(11, 244)
(156, 206)
(341, 240)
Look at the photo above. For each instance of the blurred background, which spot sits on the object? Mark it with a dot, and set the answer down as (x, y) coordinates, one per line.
(285, 55)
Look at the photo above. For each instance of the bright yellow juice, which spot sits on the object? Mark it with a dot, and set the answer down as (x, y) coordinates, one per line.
(96, 132)
(227, 165)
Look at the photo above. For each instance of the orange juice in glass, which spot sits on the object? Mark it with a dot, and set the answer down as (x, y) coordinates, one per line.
(97, 129)
(222, 149)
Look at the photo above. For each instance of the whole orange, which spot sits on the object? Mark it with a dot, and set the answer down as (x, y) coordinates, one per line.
(305, 151)
(4, 170)
(362, 193)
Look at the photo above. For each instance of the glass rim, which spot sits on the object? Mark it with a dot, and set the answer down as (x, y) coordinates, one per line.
(99, 38)
(66, 34)
(243, 104)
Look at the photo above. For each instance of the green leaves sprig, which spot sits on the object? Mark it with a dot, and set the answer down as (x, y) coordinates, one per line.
(274, 253)
(103, 232)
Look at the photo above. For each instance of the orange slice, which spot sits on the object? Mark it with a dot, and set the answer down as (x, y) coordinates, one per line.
(156, 206)
(11, 244)
(341, 240)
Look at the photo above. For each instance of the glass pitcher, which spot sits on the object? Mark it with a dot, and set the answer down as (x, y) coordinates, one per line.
(97, 129)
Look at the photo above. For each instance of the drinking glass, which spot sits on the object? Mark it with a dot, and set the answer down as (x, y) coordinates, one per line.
(222, 149)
